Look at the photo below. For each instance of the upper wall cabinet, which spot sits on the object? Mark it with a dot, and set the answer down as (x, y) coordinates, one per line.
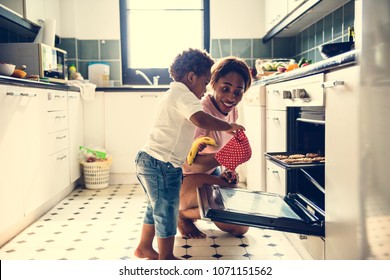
(37, 10)
(275, 10)
(292, 16)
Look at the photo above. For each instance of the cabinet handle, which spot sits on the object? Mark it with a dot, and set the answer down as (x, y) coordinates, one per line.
(275, 119)
(61, 158)
(275, 172)
(147, 95)
(60, 117)
(59, 96)
(302, 237)
(13, 94)
(60, 137)
(276, 92)
(332, 84)
(72, 96)
(29, 94)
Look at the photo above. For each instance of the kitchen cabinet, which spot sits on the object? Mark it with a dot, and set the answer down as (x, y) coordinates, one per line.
(276, 137)
(76, 132)
(51, 150)
(293, 4)
(11, 150)
(342, 157)
(36, 10)
(275, 11)
(128, 118)
(35, 154)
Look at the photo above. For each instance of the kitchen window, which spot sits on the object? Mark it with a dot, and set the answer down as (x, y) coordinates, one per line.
(153, 32)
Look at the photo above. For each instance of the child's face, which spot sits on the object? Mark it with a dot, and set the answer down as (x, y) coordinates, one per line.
(198, 84)
(228, 91)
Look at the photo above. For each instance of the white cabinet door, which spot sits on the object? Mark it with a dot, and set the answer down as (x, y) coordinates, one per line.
(76, 133)
(36, 10)
(276, 127)
(275, 10)
(276, 178)
(11, 164)
(128, 118)
(35, 145)
(342, 165)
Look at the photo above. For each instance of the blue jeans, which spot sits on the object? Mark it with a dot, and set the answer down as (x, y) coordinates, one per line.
(161, 182)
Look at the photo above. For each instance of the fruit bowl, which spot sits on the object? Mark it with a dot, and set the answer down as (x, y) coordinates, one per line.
(6, 69)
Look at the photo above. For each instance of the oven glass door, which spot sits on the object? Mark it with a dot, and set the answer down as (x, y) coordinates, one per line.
(257, 209)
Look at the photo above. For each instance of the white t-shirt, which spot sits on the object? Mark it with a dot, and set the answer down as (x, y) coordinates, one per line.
(172, 132)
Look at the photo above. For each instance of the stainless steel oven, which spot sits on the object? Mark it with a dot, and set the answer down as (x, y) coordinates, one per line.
(301, 208)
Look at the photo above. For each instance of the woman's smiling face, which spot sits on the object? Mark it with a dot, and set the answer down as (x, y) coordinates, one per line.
(228, 91)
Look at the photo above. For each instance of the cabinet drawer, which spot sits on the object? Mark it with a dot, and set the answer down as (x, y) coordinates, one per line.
(59, 171)
(276, 178)
(57, 120)
(57, 100)
(276, 127)
(274, 98)
(58, 141)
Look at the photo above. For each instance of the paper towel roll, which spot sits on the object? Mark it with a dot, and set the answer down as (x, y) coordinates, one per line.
(49, 33)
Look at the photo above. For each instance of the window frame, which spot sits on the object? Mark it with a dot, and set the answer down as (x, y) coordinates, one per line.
(128, 74)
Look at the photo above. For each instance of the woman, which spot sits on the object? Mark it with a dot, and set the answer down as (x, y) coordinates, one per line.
(230, 79)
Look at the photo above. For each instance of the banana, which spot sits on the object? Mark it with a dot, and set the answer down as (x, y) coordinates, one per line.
(194, 148)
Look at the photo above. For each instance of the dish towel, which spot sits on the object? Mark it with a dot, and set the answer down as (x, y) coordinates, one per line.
(235, 152)
(87, 90)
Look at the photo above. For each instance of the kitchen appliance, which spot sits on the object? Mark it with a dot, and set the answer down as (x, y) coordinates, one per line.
(99, 74)
(47, 62)
(301, 208)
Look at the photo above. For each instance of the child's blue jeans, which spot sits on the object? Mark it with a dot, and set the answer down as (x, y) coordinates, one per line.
(161, 182)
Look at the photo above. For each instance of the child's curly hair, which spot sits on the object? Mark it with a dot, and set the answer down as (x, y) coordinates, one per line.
(191, 60)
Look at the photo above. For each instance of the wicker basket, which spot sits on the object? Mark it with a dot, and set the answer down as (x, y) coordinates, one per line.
(97, 174)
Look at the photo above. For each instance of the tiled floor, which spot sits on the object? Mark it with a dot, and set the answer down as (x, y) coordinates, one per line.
(105, 225)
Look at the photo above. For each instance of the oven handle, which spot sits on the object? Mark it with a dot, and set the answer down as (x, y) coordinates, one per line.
(332, 84)
(313, 181)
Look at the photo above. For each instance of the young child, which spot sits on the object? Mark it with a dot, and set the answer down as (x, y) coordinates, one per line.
(158, 164)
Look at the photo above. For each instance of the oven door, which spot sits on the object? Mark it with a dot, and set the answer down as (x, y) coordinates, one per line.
(258, 209)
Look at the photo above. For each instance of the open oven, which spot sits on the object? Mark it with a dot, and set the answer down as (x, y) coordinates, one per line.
(301, 208)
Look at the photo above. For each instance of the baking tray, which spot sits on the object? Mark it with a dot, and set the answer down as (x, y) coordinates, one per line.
(295, 165)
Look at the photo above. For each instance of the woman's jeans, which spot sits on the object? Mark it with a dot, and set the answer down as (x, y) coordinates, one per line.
(161, 182)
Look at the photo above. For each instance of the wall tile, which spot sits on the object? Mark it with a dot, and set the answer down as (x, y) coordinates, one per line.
(88, 49)
(242, 48)
(109, 49)
(328, 28)
(338, 23)
(70, 45)
(261, 50)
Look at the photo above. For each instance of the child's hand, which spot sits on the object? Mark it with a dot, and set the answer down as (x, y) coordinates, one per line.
(234, 127)
(230, 176)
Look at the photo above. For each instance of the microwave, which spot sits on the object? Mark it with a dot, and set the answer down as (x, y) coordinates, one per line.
(49, 63)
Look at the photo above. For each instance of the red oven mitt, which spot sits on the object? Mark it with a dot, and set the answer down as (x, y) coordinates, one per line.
(235, 152)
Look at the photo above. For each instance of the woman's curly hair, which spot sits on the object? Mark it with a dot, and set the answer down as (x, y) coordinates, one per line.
(231, 64)
(191, 60)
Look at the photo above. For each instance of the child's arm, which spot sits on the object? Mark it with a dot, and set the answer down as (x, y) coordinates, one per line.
(209, 122)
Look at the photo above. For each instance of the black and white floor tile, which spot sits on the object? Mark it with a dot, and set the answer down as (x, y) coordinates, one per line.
(106, 224)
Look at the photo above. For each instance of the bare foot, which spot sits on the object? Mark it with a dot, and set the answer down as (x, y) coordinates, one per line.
(149, 254)
(189, 230)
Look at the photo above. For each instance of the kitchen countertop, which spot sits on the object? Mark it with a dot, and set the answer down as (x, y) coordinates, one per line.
(330, 64)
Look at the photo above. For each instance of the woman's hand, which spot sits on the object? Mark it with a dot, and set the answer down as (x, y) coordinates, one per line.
(234, 127)
(230, 176)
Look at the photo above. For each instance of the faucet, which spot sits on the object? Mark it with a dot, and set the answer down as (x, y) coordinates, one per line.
(142, 74)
